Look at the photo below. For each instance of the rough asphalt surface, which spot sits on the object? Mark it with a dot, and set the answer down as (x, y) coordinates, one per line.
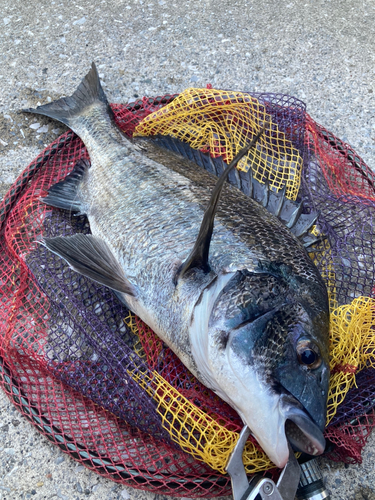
(321, 51)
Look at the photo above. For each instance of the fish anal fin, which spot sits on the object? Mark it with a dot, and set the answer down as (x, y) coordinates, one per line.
(64, 194)
(92, 257)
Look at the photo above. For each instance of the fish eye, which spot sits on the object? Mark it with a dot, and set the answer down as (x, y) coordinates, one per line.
(308, 357)
(308, 354)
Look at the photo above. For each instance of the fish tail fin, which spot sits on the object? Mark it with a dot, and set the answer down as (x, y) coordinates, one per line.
(68, 109)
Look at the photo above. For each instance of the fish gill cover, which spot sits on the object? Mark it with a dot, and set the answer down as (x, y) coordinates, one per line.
(99, 383)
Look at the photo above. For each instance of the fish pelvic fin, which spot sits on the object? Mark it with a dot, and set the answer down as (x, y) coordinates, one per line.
(198, 257)
(67, 109)
(64, 194)
(92, 257)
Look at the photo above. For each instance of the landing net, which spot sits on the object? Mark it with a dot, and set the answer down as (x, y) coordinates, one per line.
(99, 383)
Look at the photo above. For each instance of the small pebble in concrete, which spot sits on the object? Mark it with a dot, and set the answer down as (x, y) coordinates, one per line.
(60, 495)
(43, 130)
(78, 487)
(79, 22)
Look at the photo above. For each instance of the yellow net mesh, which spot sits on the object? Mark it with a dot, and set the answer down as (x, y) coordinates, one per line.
(352, 347)
(195, 431)
(223, 123)
(327, 271)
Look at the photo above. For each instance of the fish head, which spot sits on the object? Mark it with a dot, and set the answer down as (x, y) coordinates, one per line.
(270, 332)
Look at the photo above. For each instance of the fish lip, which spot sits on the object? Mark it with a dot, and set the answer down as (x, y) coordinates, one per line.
(301, 431)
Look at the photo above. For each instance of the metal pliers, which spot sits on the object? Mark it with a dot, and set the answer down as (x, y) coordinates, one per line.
(285, 489)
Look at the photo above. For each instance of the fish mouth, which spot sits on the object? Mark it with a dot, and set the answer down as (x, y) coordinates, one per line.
(300, 430)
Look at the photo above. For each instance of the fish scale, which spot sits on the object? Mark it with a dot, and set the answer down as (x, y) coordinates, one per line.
(244, 308)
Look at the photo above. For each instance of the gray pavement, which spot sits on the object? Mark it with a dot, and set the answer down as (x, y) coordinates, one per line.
(320, 51)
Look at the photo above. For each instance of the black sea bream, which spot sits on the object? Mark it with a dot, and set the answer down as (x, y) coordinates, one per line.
(246, 310)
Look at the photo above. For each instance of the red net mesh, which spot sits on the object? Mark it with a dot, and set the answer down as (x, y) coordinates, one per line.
(68, 358)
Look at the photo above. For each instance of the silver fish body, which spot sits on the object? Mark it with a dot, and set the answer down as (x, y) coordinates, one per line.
(253, 327)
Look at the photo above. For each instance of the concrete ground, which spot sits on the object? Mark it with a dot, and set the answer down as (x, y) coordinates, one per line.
(321, 51)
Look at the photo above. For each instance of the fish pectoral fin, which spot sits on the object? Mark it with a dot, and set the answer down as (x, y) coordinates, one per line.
(198, 257)
(92, 257)
(64, 194)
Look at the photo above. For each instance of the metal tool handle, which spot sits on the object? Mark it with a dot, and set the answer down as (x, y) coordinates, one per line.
(242, 490)
(266, 489)
(235, 467)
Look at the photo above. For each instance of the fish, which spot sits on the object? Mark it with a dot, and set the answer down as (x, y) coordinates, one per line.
(223, 278)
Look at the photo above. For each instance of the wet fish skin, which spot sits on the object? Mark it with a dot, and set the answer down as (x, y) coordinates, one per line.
(237, 328)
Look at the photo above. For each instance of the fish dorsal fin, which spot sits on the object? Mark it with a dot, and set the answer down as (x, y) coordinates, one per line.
(64, 194)
(287, 211)
(198, 257)
(92, 257)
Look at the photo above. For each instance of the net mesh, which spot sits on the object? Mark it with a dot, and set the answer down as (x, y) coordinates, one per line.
(222, 123)
(99, 383)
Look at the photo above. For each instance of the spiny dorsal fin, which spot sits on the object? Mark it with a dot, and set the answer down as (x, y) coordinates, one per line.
(93, 258)
(64, 194)
(198, 257)
(287, 211)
